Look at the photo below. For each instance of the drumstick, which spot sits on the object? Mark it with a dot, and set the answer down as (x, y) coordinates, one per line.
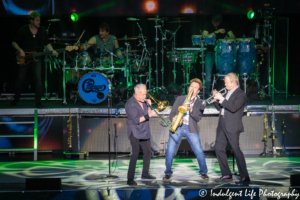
(79, 38)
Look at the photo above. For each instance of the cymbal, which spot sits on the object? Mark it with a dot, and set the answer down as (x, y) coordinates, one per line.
(139, 37)
(65, 39)
(127, 38)
(154, 19)
(105, 44)
(133, 51)
(179, 21)
(178, 18)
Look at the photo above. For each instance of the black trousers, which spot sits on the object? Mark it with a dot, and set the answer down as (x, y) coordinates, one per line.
(221, 142)
(36, 68)
(146, 146)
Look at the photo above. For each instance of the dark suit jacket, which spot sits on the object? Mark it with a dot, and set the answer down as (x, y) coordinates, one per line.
(195, 115)
(134, 111)
(233, 113)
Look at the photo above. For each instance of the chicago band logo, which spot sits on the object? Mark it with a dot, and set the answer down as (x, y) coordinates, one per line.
(89, 86)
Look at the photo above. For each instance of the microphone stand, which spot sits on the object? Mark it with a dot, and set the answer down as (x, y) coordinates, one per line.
(174, 66)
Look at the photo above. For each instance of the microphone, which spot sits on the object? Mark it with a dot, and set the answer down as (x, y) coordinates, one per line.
(53, 20)
(132, 19)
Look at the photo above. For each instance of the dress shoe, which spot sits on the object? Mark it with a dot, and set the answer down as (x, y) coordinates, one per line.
(39, 105)
(204, 176)
(148, 176)
(167, 178)
(224, 179)
(131, 182)
(243, 181)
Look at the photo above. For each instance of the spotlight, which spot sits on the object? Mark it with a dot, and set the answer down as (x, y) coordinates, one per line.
(74, 17)
(251, 14)
(261, 13)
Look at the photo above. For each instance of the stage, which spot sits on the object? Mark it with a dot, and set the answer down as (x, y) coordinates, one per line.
(85, 178)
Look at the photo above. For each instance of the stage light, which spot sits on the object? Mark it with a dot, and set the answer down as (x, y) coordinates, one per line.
(150, 6)
(188, 9)
(251, 14)
(74, 17)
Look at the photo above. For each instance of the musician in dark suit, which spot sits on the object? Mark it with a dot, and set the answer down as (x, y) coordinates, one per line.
(230, 125)
(31, 37)
(189, 129)
(138, 130)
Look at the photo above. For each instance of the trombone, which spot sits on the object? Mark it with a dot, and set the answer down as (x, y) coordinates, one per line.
(211, 98)
(161, 118)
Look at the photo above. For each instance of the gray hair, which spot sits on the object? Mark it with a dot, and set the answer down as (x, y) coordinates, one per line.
(233, 78)
(138, 87)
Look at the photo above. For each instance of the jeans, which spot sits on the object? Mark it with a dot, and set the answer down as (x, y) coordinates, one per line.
(209, 64)
(194, 140)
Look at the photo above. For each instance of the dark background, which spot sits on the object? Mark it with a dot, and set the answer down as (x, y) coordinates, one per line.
(115, 13)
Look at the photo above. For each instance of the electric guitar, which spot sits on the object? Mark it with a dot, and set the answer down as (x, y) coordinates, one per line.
(31, 55)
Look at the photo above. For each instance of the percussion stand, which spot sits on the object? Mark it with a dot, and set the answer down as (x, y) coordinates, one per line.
(174, 62)
(203, 66)
(156, 54)
(64, 77)
(128, 69)
(163, 37)
(147, 54)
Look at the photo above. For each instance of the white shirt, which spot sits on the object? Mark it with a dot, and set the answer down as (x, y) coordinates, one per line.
(186, 116)
(229, 93)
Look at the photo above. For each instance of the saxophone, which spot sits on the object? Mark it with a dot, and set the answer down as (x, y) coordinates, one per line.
(70, 134)
(181, 110)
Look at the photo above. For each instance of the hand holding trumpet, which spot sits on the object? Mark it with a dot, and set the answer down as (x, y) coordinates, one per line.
(217, 95)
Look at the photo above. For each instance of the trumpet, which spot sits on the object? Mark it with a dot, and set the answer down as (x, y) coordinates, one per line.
(211, 98)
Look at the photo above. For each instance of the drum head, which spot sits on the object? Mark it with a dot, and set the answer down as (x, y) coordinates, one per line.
(93, 87)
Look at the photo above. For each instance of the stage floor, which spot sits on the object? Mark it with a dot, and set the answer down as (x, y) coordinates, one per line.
(89, 173)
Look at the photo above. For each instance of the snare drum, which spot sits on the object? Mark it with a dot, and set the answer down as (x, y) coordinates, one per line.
(83, 59)
(173, 56)
(196, 39)
(225, 56)
(137, 65)
(121, 56)
(246, 55)
(93, 87)
(210, 39)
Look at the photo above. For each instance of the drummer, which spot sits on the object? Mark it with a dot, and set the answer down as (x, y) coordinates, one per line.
(219, 29)
(103, 42)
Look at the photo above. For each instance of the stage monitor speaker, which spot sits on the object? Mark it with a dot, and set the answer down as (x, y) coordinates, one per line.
(295, 180)
(43, 184)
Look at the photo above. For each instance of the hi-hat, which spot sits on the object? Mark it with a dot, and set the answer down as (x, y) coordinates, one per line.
(127, 38)
(132, 19)
(139, 37)
(133, 51)
(178, 18)
(155, 19)
(65, 39)
(179, 21)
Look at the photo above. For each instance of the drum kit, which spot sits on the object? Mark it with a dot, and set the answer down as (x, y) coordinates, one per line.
(93, 75)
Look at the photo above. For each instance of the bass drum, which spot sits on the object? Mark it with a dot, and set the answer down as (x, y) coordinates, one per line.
(93, 87)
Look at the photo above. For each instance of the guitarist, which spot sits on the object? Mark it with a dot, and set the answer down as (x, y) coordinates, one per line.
(31, 37)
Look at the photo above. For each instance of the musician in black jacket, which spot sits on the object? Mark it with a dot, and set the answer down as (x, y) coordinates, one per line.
(189, 129)
(230, 125)
(31, 37)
